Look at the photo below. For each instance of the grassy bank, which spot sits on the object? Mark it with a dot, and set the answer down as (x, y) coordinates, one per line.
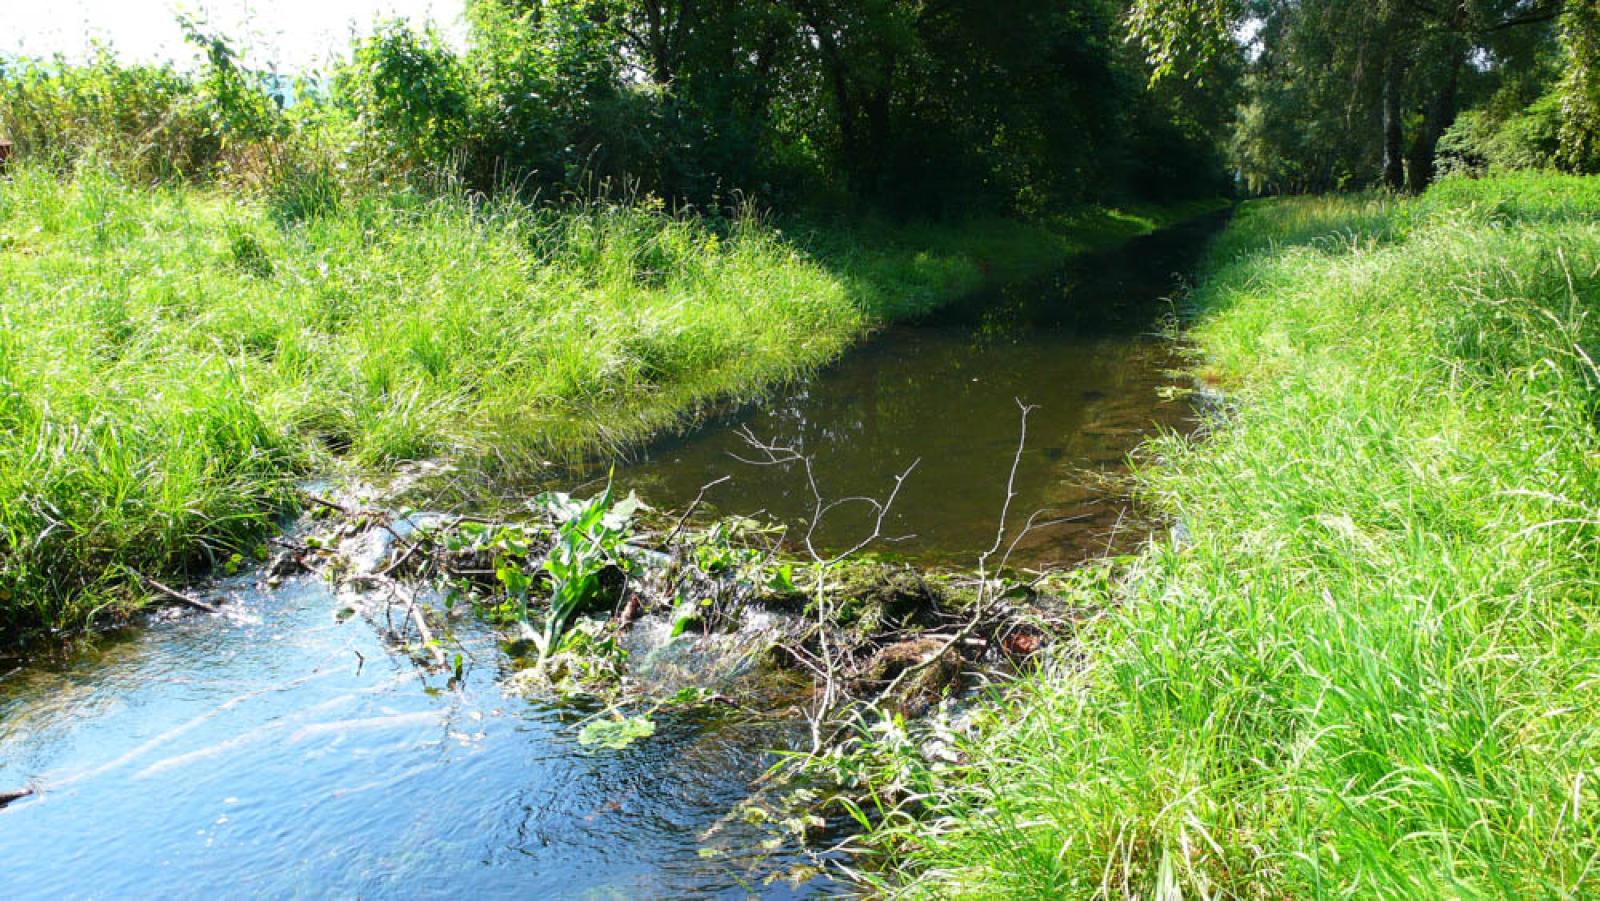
(172, 358)
(1368, 669)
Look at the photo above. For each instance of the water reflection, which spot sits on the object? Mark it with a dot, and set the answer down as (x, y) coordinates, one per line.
(1079, 347)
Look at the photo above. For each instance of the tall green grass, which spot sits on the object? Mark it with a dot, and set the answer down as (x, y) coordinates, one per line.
(172, 358)
(1367, 665)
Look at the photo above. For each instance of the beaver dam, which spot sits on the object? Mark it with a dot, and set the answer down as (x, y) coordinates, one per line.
(580, 697)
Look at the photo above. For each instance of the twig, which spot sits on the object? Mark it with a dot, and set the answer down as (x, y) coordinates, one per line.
(400, 561)
(413, 611)
(827, 668)
(427, 635)
(321, 501)
(178, 596)
(985, 585)
(677, 527)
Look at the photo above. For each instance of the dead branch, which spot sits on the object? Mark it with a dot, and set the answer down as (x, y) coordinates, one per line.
(986, 586)
(689, 511)
(827, 666)
(173, 594)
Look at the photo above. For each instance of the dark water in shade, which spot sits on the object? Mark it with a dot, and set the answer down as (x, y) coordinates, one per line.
(1080, 347)
(284, 750)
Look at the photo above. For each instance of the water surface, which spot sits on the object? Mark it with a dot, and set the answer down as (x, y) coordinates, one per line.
(283, 749)
(1081, 348)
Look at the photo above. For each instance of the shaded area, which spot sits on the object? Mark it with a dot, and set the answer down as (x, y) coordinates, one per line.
(1080, 346)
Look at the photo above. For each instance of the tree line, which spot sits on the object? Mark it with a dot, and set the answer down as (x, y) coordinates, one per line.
(914, 107)
(1346, 93)
(933, 108)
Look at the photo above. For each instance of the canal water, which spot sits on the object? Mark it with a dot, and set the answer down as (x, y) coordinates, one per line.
(283, 748)
(1082, 348)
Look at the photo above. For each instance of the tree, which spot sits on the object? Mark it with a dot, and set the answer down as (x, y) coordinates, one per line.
(1580, 89)
(1394, 69)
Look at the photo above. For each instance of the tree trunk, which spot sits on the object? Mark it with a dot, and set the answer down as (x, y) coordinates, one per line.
(1394, 172)
(1439, 116)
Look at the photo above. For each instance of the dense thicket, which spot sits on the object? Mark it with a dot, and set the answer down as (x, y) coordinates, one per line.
(923, 108)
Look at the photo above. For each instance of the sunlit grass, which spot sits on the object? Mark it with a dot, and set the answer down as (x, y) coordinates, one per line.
(171, 359)
(1368, 670)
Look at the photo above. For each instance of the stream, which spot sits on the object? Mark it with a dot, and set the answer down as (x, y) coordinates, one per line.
(283, 748)
(1080, 347)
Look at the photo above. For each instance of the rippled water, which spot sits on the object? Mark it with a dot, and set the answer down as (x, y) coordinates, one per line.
(255, 753)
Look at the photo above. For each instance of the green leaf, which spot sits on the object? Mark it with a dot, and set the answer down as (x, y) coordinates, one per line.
(781, 579)
(616, 734)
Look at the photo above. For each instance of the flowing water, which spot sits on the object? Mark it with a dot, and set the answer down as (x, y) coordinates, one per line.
(283, 748)
(1079, 347)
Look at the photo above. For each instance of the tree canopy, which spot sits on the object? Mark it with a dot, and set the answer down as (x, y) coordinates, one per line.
(1344, 92)
(908, 107)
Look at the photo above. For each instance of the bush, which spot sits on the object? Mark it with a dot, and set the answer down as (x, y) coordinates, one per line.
(409, 97)
(1480, 144)
(148, 121)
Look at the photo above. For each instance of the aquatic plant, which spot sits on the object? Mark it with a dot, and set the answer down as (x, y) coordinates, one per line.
(616, 733)
(590, 539)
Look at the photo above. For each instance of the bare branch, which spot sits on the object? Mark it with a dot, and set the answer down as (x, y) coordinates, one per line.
(689, 511)
(178, 596)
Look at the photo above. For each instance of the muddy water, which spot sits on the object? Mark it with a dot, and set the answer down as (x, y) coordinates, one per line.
(284, 749)
(1079, 347)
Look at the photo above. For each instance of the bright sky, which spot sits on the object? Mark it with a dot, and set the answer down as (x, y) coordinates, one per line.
(291, 34)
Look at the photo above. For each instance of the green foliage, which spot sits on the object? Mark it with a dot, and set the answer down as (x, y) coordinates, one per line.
(410, 99)
(1022, 108)
(549, 101)
(589, 539)
(1187, 38)
(616, 733)
(1361, 667)
(1580, 86)
(233, 100)
(1479, 144)
(1342, 94)
(148, 120)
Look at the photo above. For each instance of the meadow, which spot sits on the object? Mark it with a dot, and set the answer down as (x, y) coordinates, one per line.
(1362, 661)
(174, 358)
